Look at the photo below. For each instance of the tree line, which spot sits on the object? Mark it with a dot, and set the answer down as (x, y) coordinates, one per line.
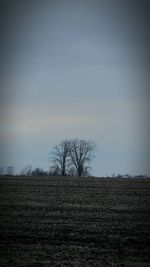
(68, 158)
(54, 171)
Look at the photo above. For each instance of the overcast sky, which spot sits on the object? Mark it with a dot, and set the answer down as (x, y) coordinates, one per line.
(75, 69)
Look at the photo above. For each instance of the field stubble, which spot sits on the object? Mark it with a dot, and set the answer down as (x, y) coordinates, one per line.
(74, 222)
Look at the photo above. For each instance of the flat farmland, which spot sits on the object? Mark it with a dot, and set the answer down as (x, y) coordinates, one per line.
(51, 221)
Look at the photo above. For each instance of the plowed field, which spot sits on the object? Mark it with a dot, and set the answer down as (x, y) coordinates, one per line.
(74, 222)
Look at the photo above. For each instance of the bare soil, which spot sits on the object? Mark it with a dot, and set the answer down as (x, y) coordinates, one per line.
(47, 221)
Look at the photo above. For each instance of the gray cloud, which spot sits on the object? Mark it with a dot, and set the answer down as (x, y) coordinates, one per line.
(75, 68)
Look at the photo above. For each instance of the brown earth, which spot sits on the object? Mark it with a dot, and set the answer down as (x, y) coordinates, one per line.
(74, 222)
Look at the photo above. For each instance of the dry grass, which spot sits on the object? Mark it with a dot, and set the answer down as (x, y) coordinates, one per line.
(74, 222)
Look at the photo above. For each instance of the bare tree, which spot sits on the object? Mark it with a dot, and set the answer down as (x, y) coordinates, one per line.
(81, 152)
(59, 157)
(10, 170)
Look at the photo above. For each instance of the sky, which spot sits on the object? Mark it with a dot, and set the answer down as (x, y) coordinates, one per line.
(75, 69)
